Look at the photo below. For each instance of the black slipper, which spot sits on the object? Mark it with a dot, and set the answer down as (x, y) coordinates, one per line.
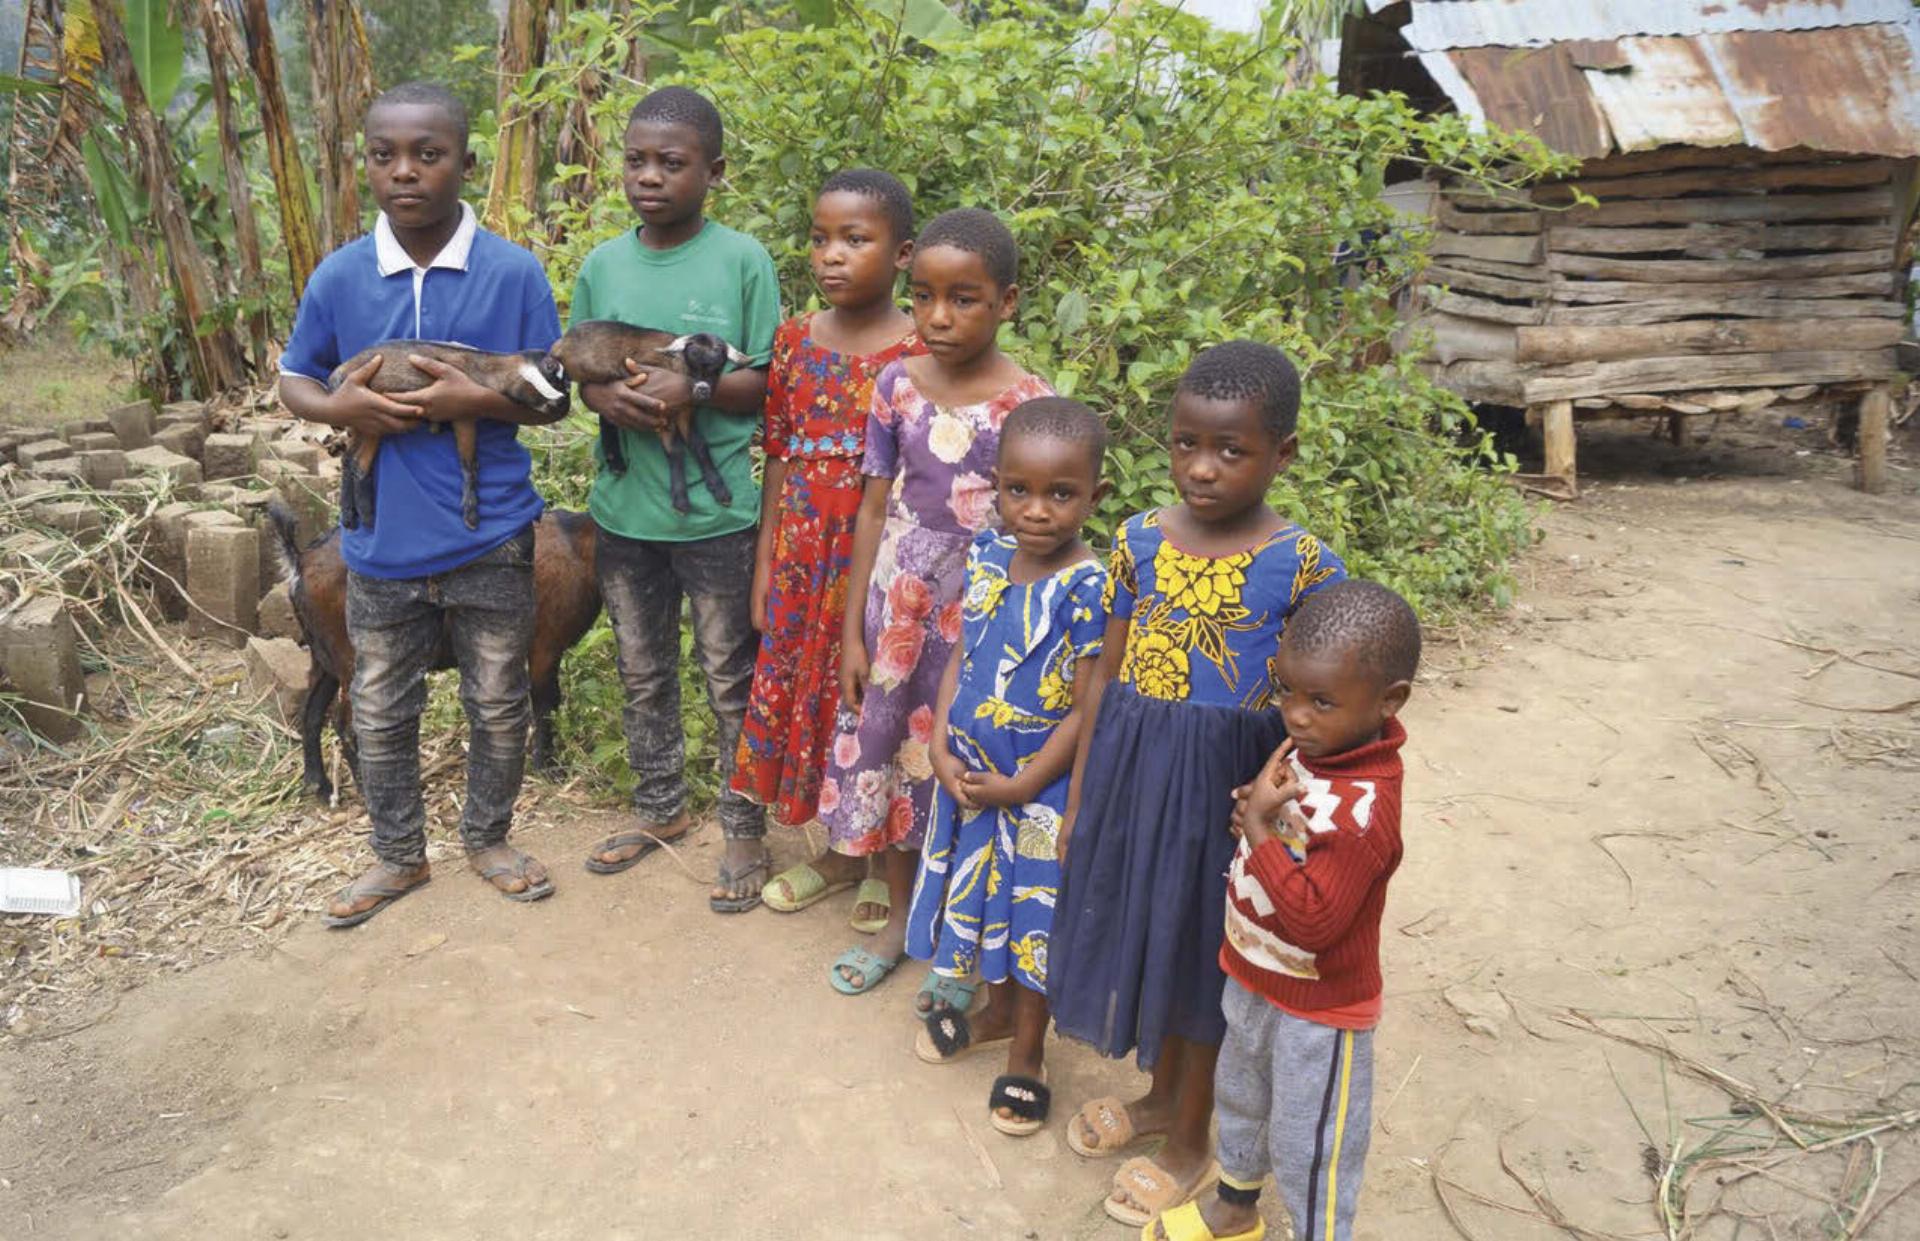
(727, 878)
(1027, 1098)
(648, 842)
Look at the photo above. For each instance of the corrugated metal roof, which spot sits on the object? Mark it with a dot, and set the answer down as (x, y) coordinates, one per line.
(1447, 24)
(1627, 75)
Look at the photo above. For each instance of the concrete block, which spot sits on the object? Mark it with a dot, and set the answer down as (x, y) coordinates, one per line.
(63, 471)
(87, 441)
(250, 503)
(168, 551)
(301, 453)
(228, 456)
(40, 655)
(102, 467)
(12, 438)
(28, 549)
(277, 617)
(223, 580)
(75, 517)
(188, 411)
(158, 460)
(84, 426)
(278, 668)
(23, 488)
(34, 452)
(133, 424)
(310, 500)
(218, 493)
(185, 439)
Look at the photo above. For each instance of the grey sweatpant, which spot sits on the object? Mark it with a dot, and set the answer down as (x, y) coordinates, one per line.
(1295, 1097)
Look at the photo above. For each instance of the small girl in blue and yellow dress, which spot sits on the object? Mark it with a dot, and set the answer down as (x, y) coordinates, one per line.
(1198, 595)
(1008, 721)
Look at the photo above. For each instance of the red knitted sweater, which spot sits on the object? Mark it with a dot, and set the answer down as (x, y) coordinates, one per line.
(1303, 917)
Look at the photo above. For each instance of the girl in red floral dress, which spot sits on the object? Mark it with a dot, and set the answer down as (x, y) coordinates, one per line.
(819, 391)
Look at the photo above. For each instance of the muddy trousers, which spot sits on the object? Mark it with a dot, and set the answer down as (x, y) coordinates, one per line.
(484, 610)
(643, 583)
(1295, 1098)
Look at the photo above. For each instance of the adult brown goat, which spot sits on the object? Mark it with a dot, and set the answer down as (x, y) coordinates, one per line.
(597, 350)
(566, 601)
(527, 378)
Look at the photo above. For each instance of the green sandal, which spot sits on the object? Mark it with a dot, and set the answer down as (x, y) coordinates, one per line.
(873, 970)
(872, 892)
(805, 885)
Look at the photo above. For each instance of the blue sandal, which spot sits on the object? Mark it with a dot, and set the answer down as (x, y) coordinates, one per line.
(944, 995)
(873, 970)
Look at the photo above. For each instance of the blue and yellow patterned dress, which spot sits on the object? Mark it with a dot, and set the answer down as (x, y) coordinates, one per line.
(1190, 717)
(985, 892)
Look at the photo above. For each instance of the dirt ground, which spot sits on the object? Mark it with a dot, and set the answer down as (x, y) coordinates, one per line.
(1661, 827)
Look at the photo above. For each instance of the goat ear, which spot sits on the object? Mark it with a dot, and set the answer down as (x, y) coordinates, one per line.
(737, 358)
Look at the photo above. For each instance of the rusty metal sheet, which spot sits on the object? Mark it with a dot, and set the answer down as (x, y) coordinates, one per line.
(1665, 93)
(1538, 90)
(1854, 90)
(1532, 23)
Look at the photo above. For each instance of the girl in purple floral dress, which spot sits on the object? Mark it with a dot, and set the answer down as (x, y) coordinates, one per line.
(931, 443)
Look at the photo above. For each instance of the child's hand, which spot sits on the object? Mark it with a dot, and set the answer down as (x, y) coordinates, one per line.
(854, 673)
(669, 394)
(990, 788)
(757, 596)
(952, 774)
(620, 401)
(358, 407)
(1259, 802)
(1066, 831)
(450, 397)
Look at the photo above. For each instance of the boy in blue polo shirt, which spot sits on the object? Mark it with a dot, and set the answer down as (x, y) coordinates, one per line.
(680, 272)
(429, 272)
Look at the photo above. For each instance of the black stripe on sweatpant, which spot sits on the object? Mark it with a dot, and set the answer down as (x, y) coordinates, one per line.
(1320, 1142)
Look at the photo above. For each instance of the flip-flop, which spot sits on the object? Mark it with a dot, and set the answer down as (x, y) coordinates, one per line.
(806, 885)
(1026, 1097)
(385, 888)
(873, 970)
(872, 892)
(950, 995)
(517, 869)
(727, 878)
(1145, 1180)
(1184, 1223)
(649, 842)
(1108, 1117)
(946, 1037)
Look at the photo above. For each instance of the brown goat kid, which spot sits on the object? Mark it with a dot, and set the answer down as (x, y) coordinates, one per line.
(597, 352)
(523, 377)
(566, 602)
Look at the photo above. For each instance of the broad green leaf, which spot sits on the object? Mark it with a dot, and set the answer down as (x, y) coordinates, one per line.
(110, 190)
(159, 50)
(926, 20)
(1070, 315)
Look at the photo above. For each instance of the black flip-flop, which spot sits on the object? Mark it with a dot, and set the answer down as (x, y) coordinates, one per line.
(532, 892)
(648, 842)
(1027, 1098)
(727, 878)
(387, 894)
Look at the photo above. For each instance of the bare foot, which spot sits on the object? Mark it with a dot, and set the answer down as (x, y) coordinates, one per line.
(743, 872)
(620, 850)
(1115, 1125)
(1183, 1168)
(374, 887)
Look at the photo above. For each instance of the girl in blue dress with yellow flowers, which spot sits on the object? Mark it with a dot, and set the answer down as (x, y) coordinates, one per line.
(1198, 594)
(1008, 720)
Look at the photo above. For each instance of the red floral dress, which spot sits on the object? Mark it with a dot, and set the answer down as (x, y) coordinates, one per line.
(816, 422)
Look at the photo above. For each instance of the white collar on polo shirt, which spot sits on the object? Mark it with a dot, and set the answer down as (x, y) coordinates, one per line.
(394, 259)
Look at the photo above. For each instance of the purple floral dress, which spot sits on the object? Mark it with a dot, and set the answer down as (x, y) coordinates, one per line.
(878, 789)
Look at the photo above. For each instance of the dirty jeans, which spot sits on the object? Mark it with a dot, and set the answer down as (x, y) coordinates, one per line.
(485, 610)
(642, 583)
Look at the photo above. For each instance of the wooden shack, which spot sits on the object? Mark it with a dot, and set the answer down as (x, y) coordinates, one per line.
(1752, 171)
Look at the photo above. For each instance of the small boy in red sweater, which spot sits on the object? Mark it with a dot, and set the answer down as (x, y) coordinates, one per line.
(1319, 836)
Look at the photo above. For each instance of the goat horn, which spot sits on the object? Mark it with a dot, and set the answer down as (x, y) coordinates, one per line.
(531, 373)
(678, 345)
(737, 358)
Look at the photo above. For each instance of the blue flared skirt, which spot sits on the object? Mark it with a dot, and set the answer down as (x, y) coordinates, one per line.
(1142, 906)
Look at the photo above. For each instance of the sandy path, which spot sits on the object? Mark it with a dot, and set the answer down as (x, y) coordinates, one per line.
(1619, 804)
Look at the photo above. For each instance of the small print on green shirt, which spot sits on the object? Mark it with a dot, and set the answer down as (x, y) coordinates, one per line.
(723, 282)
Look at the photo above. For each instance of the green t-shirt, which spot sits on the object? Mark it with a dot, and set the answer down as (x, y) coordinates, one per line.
(722, 282)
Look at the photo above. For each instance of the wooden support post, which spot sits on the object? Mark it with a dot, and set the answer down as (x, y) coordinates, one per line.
(1872, 470)
(1556, 427)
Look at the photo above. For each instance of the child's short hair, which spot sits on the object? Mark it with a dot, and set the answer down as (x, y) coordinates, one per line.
(895, 200)
(1056, 417)
(429, 94)
(678, 105)
(1246, 370)
(979, 233)
(1361, 619)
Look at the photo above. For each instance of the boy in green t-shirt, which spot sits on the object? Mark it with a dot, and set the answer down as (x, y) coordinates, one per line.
(680, 272)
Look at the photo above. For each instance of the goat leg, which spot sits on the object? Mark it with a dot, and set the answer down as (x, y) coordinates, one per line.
(677, 472)
(466, 436)
(709, 472)
(610, 450)
(321, 688)
(356, 492)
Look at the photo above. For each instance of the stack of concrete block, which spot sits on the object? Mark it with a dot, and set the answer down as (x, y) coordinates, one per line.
(40, 657)
(278, 668)
(132, 425)
(156, 458)
(223, 576)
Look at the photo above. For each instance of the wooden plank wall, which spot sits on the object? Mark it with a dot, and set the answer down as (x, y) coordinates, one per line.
(1693, 271)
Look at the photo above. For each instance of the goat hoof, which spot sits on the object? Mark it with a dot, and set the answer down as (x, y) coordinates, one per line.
(722, 494)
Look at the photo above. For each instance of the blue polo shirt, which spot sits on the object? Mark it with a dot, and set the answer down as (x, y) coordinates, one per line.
(480, 290)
